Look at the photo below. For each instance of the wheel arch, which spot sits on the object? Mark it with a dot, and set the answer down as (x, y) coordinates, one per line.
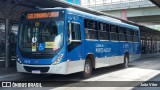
(126, 54)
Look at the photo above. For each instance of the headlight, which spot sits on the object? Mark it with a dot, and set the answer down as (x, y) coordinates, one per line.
(58, 60)
(18, 60)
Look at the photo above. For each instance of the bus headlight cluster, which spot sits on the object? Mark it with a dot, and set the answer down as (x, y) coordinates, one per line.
(58, 60)
(18, 60)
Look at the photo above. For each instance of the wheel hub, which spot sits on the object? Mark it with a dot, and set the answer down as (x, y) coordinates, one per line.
(87, 68)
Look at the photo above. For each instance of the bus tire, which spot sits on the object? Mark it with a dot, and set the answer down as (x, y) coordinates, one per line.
(126, 62)
(87, 69)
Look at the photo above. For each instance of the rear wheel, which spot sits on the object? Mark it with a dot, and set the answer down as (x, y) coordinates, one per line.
(126, 62)
(87, 69)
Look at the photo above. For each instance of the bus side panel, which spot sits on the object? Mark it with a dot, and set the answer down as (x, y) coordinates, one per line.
(106, 53)
(114, 52)
(102, 52)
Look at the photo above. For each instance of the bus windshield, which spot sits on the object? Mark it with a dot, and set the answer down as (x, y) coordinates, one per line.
(43, 36)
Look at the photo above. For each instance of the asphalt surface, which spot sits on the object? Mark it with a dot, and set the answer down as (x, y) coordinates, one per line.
(110, 78)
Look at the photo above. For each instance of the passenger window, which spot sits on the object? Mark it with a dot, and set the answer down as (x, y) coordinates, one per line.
(114, 33)
(121, 30)
(91, 31)
(131, 32)
(128, 31)
(113, 28)
(124, 31)
(107, 27)
(135, 33)
(122, 34)
(103, 32)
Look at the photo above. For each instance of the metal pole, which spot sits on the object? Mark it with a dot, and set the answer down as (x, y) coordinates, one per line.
(7, 43)
(151, 45)
(156, 44)
(145, 44)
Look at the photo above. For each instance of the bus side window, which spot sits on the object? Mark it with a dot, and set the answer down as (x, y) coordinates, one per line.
(114, 33)
(91, 29)
(135, 37)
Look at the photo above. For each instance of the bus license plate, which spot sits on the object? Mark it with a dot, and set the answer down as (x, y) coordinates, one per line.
(36, 71)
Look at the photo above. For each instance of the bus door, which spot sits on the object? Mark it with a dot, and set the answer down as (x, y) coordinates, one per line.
(75, 45)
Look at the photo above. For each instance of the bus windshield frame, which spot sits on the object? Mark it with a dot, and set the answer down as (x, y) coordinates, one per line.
(37, 26)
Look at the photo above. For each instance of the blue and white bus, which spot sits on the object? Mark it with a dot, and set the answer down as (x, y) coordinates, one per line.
(65, 41)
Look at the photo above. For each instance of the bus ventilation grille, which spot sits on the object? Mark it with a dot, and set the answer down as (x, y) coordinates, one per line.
(42, 69)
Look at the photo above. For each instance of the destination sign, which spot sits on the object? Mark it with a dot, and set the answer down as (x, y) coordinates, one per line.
(42, 15)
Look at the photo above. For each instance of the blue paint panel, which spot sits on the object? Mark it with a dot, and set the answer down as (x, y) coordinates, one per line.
(113, 48)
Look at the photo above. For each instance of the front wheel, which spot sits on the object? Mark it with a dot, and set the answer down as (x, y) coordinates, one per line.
(126, 62)
(87, 69)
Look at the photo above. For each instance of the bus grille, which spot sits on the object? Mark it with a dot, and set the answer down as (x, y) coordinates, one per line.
(42, 69)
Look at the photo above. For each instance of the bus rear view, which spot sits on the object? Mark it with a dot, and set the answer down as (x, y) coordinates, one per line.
(40, 46)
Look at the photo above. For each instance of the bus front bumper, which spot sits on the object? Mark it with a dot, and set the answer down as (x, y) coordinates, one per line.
(60, 68)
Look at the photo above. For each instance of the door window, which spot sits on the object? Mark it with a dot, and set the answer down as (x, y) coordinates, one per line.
(74, 31)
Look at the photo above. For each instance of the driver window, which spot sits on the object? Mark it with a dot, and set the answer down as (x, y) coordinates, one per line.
(74, 31)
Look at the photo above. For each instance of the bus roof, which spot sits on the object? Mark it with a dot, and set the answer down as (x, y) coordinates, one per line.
(104, 19)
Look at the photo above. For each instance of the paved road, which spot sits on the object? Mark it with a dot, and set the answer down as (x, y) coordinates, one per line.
(146, 69)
